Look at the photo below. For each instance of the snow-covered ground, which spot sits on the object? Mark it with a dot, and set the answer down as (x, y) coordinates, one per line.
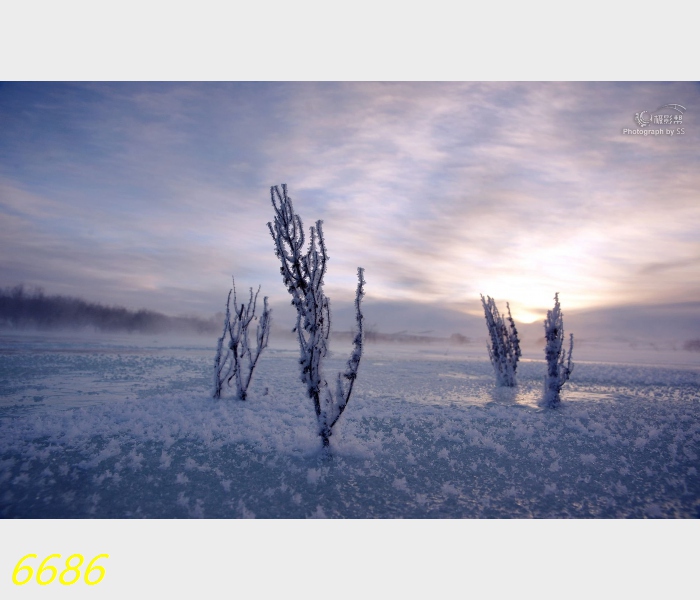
(125, 427)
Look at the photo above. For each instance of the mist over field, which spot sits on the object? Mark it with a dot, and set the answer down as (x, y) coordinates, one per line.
(650, 328)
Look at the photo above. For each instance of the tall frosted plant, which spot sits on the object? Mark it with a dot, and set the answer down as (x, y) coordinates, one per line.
(504, 349)
(234, 366)
(302, 273)
(559, 365)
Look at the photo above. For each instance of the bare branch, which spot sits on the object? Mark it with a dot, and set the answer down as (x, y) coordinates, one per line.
(302, 274)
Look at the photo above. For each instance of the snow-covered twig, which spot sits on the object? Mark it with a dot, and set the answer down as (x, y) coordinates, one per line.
(239, 361)
(559, 366)
(303, 274)
(504, 350)
(220, 362)
(343, 391)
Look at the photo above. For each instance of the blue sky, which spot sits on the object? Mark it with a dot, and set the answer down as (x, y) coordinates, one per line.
(152, 195)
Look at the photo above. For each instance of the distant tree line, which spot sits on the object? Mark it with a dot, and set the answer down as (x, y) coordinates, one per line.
(692, 345)
(21, 308)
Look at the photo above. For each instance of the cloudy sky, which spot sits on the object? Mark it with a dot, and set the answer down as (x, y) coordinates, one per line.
(152, 195)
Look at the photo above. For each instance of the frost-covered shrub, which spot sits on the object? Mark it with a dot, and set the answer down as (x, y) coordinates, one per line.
(239, 360)
(559, 366)
(504, 350)
(303, 274)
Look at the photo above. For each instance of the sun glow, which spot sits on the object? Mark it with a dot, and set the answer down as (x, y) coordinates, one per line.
(526, 316)
(538, 270)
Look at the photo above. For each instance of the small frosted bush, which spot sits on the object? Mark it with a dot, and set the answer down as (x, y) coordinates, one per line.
(235, 366)
(559, 365)
(504, 349)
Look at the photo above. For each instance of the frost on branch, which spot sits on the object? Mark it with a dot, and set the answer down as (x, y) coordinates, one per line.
(302, 273)
(559, 366)
(237, 363)
(504, 350)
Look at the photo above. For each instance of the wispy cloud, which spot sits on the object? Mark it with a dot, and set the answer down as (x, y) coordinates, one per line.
(153, 194)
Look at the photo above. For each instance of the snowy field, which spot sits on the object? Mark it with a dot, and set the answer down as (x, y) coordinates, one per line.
(125, 427)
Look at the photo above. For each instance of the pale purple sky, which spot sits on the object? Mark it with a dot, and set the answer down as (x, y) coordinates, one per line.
(152, 195)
